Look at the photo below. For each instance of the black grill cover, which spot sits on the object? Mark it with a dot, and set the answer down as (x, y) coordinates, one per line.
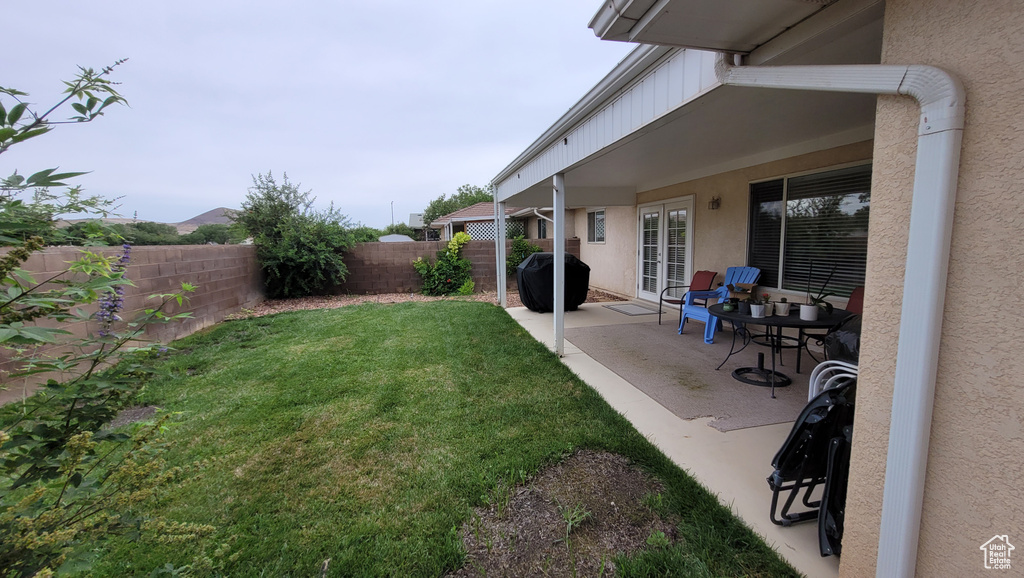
(536, 279)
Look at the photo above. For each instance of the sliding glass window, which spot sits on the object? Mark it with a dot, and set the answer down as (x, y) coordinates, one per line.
(811, 230)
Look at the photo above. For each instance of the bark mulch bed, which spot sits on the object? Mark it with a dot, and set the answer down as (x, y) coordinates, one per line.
(571, 519)
(271, 306)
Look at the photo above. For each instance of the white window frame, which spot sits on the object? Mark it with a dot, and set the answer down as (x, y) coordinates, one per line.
(785, 197)
(592, 233)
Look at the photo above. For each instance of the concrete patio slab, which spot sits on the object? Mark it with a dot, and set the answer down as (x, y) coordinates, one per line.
(732, 465)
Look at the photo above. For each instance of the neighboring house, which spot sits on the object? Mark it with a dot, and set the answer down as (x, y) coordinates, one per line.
(478, 221)
(676, 162)
(416, 224)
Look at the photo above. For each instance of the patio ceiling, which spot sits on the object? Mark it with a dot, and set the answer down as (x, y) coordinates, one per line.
(728, 127)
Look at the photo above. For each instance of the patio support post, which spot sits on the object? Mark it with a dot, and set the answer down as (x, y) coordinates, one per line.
(499, 251)
(558, 184)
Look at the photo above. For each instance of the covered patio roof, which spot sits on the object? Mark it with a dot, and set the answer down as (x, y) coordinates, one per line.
(607, 155)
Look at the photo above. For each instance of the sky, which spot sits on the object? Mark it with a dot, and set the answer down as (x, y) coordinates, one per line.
(369, 105)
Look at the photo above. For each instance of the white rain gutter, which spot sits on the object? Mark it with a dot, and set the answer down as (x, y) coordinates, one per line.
(536, 212)
(941, 98)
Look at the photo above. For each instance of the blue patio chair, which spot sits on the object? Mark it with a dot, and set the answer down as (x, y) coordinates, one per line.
(697, 312)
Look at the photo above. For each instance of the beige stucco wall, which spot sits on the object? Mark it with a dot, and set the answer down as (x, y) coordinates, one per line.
(720, 236)
(612, 263)
(974, 481)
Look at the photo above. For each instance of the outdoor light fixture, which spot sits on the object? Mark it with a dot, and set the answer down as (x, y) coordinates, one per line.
(715, 203)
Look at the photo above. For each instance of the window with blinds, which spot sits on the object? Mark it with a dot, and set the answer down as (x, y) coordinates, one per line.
(812, 229)
(595, 227)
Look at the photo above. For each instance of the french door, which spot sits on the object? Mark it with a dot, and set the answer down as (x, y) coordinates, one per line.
(664, 247)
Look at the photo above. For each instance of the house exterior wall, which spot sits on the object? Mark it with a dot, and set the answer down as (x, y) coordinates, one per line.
(613, 262)
(974, 479)
(570, 225)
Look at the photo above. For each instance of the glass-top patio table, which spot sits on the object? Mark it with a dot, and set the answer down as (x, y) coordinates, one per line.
(774, 324)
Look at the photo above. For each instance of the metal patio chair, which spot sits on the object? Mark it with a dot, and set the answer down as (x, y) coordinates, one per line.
(702, 281)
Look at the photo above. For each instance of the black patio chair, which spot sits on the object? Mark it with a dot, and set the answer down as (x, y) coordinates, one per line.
(802, 463)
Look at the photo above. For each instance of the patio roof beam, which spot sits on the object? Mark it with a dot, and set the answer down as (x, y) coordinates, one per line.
(499, 252)
(558, 202)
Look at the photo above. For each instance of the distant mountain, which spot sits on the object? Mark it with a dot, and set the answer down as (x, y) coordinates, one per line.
(218, 216)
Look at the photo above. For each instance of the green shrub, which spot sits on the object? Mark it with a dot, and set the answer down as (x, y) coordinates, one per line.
(449, 274)
(467, 288)
(298, 249)
(521, 249)
(306, 258)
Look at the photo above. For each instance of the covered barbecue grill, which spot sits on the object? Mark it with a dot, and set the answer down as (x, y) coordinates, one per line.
(536, 279)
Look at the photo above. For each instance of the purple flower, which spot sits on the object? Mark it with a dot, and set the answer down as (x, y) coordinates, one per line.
(112, 301)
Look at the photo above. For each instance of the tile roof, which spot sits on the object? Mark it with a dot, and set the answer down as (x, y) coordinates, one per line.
(479, 212)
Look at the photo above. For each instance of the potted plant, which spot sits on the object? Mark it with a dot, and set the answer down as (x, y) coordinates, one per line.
(769, 307)
(809, 311)
(782, 307)
(743, 307)
(757, 305)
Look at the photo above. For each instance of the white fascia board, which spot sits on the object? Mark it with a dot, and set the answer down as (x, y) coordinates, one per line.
(627, 70)
(616, 19)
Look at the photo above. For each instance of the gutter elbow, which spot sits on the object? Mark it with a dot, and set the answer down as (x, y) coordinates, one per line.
(941, 96)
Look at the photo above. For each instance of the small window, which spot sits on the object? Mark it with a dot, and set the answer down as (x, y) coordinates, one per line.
(595, 226)
(542, 229)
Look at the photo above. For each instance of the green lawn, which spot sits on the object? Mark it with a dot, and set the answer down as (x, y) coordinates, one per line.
(366, 434)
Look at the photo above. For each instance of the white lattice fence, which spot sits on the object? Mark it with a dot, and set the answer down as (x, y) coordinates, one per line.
(486, 230)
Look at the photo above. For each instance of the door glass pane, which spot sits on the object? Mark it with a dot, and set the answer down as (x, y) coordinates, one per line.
(649, 250)
(675, 256)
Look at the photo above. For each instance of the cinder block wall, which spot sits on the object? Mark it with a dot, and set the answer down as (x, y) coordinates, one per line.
(227, 279)
(387, 267)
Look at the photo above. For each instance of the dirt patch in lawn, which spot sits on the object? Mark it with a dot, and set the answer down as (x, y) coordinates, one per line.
(571, 519)
(133, 414)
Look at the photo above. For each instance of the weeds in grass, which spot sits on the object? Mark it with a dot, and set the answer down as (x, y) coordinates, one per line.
(658, 539)
(655, 502)
(573, 518)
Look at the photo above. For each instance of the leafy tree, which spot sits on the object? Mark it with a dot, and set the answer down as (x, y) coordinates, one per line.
(401, 229)
(464, 196)
(66, 479)
(298, 248)
(147, 233)
(213, 233)
(90, 233)
(364, 234)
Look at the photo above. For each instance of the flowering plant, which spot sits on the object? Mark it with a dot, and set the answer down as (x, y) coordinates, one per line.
(761, 299)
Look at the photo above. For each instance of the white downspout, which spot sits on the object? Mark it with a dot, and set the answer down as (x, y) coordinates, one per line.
(540, 216)
(941, 97)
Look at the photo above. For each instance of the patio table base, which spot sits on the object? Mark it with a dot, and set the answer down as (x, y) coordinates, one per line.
(760, 376)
